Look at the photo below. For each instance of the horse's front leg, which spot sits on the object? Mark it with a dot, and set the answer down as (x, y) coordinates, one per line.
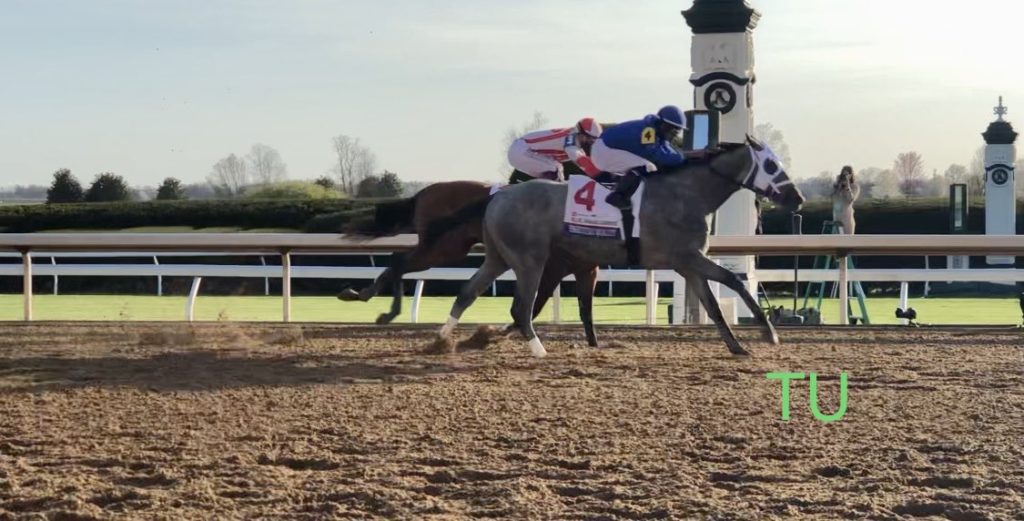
(707, 268)
(703, 291)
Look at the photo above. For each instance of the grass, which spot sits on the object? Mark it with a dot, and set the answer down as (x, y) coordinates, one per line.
(435, 309)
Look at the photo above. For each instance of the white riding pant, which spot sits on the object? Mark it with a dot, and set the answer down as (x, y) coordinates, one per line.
(531, 163)
(617, 161)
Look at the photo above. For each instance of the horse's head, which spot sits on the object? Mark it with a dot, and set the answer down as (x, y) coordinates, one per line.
(754, 166)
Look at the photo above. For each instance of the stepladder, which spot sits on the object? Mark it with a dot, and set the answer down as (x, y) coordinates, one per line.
(827, 262)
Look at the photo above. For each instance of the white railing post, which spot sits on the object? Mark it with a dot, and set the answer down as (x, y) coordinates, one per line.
(556, 303)
(417, 297)
(651, 298)
(159, 279)
(678, 299)
(26, 265)
(286, 285)
(904, 296)
(190, 304)
(844, 303)
(56, 278)
(266, 280)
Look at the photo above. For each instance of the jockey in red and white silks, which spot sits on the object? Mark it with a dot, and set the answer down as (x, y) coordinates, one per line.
(540, 154)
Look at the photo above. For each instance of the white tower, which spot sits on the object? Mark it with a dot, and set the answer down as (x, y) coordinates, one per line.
(722, 59)
(1000, 181)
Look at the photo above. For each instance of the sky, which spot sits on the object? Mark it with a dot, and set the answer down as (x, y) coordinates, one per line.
(152, 89)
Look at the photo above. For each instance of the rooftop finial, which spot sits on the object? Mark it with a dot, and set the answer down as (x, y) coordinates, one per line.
(1000, 111)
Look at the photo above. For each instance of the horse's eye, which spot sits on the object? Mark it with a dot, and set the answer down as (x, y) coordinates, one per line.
(770, 167)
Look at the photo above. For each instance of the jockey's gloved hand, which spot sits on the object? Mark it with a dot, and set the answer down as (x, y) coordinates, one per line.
(639, 171)
(698, 154)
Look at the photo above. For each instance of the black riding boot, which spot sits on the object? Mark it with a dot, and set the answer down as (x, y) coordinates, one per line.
(627, 185)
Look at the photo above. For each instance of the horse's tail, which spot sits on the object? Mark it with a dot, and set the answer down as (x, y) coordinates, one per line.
(438, 227)
(389, 218)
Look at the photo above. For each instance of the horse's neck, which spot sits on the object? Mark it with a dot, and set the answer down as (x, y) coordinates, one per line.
(702, 189)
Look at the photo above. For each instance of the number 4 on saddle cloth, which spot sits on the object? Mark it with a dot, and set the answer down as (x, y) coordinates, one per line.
(588, 215)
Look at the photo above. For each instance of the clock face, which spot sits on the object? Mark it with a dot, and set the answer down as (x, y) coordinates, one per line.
(720, 96)
(1000, 176)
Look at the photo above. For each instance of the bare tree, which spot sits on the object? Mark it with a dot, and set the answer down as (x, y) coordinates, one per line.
(909, 169)
(265, 165)
(817, 187)
(956, 174)
(976, 172)
(513, 133)
(887, 185)
(229, 176)
(771, 136)
(354, 162)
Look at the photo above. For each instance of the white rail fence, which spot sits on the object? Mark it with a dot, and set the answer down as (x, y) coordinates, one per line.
(30, 245)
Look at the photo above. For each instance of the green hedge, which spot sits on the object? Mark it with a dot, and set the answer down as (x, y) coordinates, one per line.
(915, 216)
(234, 213)
(925, 216)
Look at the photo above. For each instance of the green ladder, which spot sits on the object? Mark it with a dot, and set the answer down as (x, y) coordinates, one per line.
(825, 262)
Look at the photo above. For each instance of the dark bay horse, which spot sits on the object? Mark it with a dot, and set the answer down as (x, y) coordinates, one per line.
(441, 202)
(523, 226)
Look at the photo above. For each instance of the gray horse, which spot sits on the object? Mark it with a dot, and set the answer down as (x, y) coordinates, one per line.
(523, 225)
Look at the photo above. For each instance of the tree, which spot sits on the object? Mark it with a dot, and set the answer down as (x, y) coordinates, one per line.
(390, 185)
(65, 188)
(108, 187)
(976, 171)
(887, 185)
(936, 185)
(229, 177)
(291, 190)
(956, 174)
(513, 133)
(385, 185)
(771, 136)
(367, 187)
(170, 190)
(818, 187)
(909, 169)
(354, 162)
(265, 165)
(326, 182)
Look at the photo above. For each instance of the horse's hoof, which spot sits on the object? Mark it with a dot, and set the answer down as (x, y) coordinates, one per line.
(441, 345)
(384, 318)
(739, 352)
(537, 348)
(480, 339)
(772, 338)
(348, 295)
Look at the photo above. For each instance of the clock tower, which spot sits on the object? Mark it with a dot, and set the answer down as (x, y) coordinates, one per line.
(1000, 181)
(722, 62)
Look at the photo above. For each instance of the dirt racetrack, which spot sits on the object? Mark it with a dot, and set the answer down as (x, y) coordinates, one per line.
(226, 421)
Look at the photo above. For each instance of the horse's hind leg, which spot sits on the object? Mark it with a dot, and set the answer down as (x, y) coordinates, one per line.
(492, 268)
(707, 298)
(586, 283)
(397, 290)
(527, 282)
(554, 272)
(396, 270)
(711, 271)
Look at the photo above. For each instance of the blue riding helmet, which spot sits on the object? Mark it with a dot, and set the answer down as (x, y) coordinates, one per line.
(671, 115)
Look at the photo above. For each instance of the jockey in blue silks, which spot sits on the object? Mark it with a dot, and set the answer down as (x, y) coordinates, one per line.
(637, 147)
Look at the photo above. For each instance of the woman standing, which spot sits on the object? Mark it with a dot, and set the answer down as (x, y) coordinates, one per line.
(844, 192)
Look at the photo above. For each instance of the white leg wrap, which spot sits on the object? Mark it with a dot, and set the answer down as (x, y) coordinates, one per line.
(449, 326)
(537, 349)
